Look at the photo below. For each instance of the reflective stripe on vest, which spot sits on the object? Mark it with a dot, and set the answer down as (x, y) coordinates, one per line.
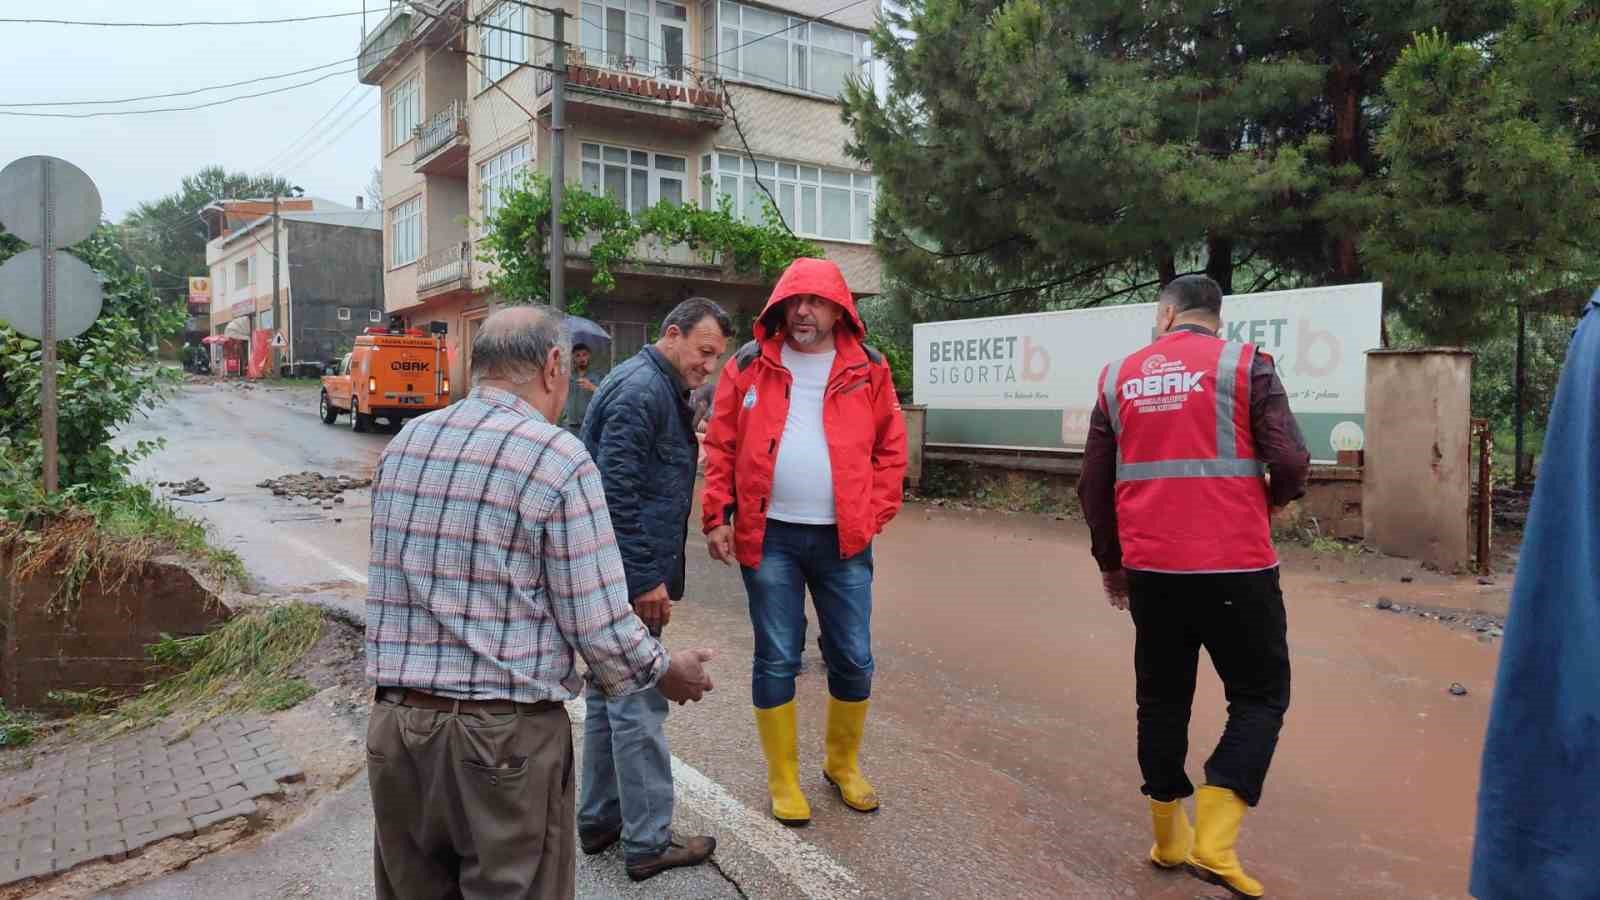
(1227, 464)
(1227, 368)
(1190, 468)
(1113, 412)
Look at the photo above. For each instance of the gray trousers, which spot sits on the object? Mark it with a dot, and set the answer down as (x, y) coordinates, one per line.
(627, 771)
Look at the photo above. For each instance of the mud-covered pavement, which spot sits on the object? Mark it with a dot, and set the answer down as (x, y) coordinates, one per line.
(1002, 730)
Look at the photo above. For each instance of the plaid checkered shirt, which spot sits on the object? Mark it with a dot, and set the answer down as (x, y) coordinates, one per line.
(493, 562)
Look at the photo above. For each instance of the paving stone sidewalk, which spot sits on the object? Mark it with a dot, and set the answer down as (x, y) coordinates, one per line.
(110, 800)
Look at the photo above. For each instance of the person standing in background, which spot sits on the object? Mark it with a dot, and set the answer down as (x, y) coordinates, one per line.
(585, 381)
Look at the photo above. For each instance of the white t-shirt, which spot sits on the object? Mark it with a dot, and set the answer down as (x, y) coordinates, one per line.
(802, 479)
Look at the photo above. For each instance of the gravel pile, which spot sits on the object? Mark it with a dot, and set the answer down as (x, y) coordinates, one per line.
(314, 486)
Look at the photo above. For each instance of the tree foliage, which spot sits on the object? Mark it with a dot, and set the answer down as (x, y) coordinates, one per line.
(1093, 149)
(169, 233)
(106, 376)
(518, 238)
(1493, 174)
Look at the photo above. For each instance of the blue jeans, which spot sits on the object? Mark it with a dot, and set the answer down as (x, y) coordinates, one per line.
(627, 771)
(793, 558)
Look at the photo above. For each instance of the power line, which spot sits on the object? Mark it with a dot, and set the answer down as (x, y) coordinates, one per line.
(295, 145)
(323, 148)
(216, 23)
(214, 87)
(166, 109)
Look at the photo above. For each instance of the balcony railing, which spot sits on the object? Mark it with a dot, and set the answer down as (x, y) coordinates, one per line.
(651, 251)
(443, 127)
(448, 266)
(634, 77)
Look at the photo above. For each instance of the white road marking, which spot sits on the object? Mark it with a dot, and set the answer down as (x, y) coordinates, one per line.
(347, 572)
(808, 868)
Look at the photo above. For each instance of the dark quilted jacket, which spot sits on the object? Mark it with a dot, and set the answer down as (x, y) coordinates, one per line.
(639, 429)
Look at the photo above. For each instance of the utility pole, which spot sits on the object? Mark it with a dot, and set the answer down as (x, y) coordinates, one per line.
(277, 315)
(558, 161)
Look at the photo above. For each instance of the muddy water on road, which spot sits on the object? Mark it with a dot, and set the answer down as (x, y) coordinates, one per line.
(1002, 733)
(232, 438)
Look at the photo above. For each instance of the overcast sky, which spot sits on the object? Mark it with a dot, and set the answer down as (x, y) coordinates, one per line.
(137, 158)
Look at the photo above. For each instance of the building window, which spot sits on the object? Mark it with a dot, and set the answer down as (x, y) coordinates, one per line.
(344, 313)
(502, 47)
(635, 178)
(405, 231)
(244, 272)
(637, 35)
(815, 201)
(771, 48)
(405, 111)
(498, 175)
(374, 315)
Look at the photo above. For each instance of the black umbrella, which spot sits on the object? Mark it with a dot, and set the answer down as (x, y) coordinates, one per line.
(588, 333)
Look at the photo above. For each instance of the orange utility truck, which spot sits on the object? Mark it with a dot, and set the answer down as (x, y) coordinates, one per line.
(392, 374)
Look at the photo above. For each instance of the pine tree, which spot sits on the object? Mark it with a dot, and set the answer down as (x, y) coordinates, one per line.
(1098, 147)
(1493, 163)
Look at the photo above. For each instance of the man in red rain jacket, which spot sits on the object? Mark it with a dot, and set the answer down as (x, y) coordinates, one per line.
(805, 456)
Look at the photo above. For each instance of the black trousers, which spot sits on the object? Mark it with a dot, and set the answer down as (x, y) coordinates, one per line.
(1239, 620)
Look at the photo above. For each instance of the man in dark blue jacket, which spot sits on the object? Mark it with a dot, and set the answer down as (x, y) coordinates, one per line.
(640, 430)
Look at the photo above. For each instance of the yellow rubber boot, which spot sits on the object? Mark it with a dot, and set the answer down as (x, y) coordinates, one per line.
(1218, 813)
(778, 744)
(1174, 837)
(846, 722)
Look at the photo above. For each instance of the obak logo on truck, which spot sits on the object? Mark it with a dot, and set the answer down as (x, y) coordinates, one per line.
(408, 366)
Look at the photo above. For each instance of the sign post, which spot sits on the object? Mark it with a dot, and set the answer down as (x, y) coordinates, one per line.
(49, 203)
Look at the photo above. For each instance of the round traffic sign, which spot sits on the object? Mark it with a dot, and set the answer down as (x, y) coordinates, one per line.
(73, 196)
(78, 294)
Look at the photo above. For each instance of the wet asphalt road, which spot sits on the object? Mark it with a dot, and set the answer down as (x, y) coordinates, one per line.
(1002, 729)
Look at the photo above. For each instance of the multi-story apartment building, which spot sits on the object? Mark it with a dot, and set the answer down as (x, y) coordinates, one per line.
(330, 279)
(658, 93)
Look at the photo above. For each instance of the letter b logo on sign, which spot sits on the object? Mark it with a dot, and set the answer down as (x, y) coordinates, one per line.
(1306, 358)
(1035, 361)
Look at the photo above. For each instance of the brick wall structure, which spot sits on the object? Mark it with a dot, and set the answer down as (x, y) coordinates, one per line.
(100, 641)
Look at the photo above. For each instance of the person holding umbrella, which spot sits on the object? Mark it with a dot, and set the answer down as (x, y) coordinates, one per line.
(587, 337)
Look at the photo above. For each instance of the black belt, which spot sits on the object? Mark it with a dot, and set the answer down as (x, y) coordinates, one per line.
(419, 700)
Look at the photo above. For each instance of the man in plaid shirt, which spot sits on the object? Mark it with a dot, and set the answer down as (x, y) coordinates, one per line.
(493, 568)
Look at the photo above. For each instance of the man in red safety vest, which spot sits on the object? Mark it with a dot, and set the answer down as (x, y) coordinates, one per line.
(1175, 489)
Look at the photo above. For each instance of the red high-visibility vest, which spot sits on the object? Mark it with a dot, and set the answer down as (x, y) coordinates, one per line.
(1191, 494)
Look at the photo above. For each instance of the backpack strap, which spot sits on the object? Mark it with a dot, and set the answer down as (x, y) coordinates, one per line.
(747, 355)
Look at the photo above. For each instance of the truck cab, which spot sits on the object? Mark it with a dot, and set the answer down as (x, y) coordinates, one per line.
(391, 374)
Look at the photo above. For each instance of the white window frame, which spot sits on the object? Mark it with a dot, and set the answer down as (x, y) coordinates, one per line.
(405, 111)
(249, 264)
(800, 189)
(405, 232)
(344, 315)
(594, 158)
(496, 175)
(374, 316)
(800, 44)
(502, 48)
(642, 39)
